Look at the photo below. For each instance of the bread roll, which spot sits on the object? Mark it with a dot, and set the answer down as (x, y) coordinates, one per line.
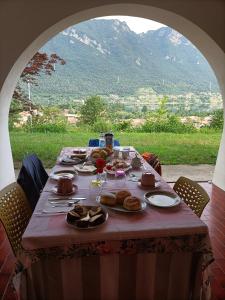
(121, 195)
(132, 203)
(108, 199)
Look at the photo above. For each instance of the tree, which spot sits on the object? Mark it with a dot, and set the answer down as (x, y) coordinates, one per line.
(92, 110)
(144, 109)
(217, 119)
(41, 63)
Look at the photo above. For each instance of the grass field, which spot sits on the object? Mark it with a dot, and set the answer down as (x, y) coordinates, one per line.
(195, 148)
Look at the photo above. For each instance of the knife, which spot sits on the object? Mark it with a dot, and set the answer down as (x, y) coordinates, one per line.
(66, 199)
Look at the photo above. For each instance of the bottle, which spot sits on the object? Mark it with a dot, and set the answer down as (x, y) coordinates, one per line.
(109, 140)
(102, 140)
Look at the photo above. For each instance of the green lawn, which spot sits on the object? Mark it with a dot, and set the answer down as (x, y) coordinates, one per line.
(195, 148)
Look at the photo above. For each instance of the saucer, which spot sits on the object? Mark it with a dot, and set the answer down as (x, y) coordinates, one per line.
(157, 184)
(55, 191)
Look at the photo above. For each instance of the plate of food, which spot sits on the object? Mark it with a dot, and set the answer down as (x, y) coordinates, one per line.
(117, 164)
(56, 175)
(162, 199)
(83, 168)
(68, 160)
(79, 153)
(86, 217)
(122, 201)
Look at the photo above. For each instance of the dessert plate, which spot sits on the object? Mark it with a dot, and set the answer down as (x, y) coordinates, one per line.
(85, 168)
(120, 208)
(68, 161)
(112, 172)
(73, 225)
(55, 191)
(63, 173)
(162, 199)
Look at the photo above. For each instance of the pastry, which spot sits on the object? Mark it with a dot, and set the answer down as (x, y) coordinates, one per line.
(108, 199)
(121, 195)
(81, 210)
(95, 210)
(97, 220)
(148, 179)
(132, 203)
(72, 216)
(84, 222)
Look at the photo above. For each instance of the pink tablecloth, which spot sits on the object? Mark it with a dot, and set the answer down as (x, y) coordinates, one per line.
(156, 254)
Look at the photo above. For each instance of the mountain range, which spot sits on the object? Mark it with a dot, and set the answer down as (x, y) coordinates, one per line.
(105, 57)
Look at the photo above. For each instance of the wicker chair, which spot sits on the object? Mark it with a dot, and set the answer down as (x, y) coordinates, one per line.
(15, 213)
(192, 194)
(153, 161)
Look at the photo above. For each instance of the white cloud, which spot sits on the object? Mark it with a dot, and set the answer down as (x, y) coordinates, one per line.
(137, 25)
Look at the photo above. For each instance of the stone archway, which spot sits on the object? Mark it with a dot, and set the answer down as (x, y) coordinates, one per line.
(209, 48)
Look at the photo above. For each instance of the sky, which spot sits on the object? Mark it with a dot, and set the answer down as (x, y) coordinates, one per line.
(137, 25)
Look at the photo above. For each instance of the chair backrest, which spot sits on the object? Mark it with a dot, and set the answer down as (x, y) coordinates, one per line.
(32, 178)
(95, 143)
(36, 170)
(153, 161)
(29, 186)
(15, 213)
(192, 194)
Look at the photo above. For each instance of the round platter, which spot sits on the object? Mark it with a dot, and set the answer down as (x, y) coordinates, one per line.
(85, 168)
(162, 199)
(89, 227)
(63, 173)
(68, 161)
(110, 172)
(121, 208)
(55, 191)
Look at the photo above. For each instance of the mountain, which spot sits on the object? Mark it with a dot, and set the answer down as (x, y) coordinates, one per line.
(105, 57)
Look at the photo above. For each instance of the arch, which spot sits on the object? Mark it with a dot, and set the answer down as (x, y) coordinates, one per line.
(209, 48)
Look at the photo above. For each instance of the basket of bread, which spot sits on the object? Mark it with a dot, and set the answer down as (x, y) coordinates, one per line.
(104, 153)
(122, 200)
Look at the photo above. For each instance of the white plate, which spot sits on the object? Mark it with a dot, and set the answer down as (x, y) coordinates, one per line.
(62, 173)
(90, 227)
(162, 199)
(121, 208)
(85, 168)
(110, 172)
(66, 160)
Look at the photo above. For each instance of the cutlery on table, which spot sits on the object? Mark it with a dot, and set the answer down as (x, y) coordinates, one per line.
(65, 204)
(66, 199)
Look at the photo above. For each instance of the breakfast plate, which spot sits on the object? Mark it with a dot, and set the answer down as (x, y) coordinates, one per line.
(63, 173)
(68, 161)
(162, 199)
(74, 190)
(85, 168)
(120, 208)
(88, 219)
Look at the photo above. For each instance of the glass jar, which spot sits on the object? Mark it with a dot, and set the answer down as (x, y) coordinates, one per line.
(109, 140)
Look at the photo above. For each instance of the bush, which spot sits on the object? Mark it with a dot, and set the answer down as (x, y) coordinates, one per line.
(101, 126)
(217, 119)
(169, 124)
(122, 126)
(50, 121)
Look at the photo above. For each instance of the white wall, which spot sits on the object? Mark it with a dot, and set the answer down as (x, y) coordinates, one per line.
(22, 33)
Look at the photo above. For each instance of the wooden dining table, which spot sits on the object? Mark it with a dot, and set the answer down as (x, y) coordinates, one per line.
(158, 253)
